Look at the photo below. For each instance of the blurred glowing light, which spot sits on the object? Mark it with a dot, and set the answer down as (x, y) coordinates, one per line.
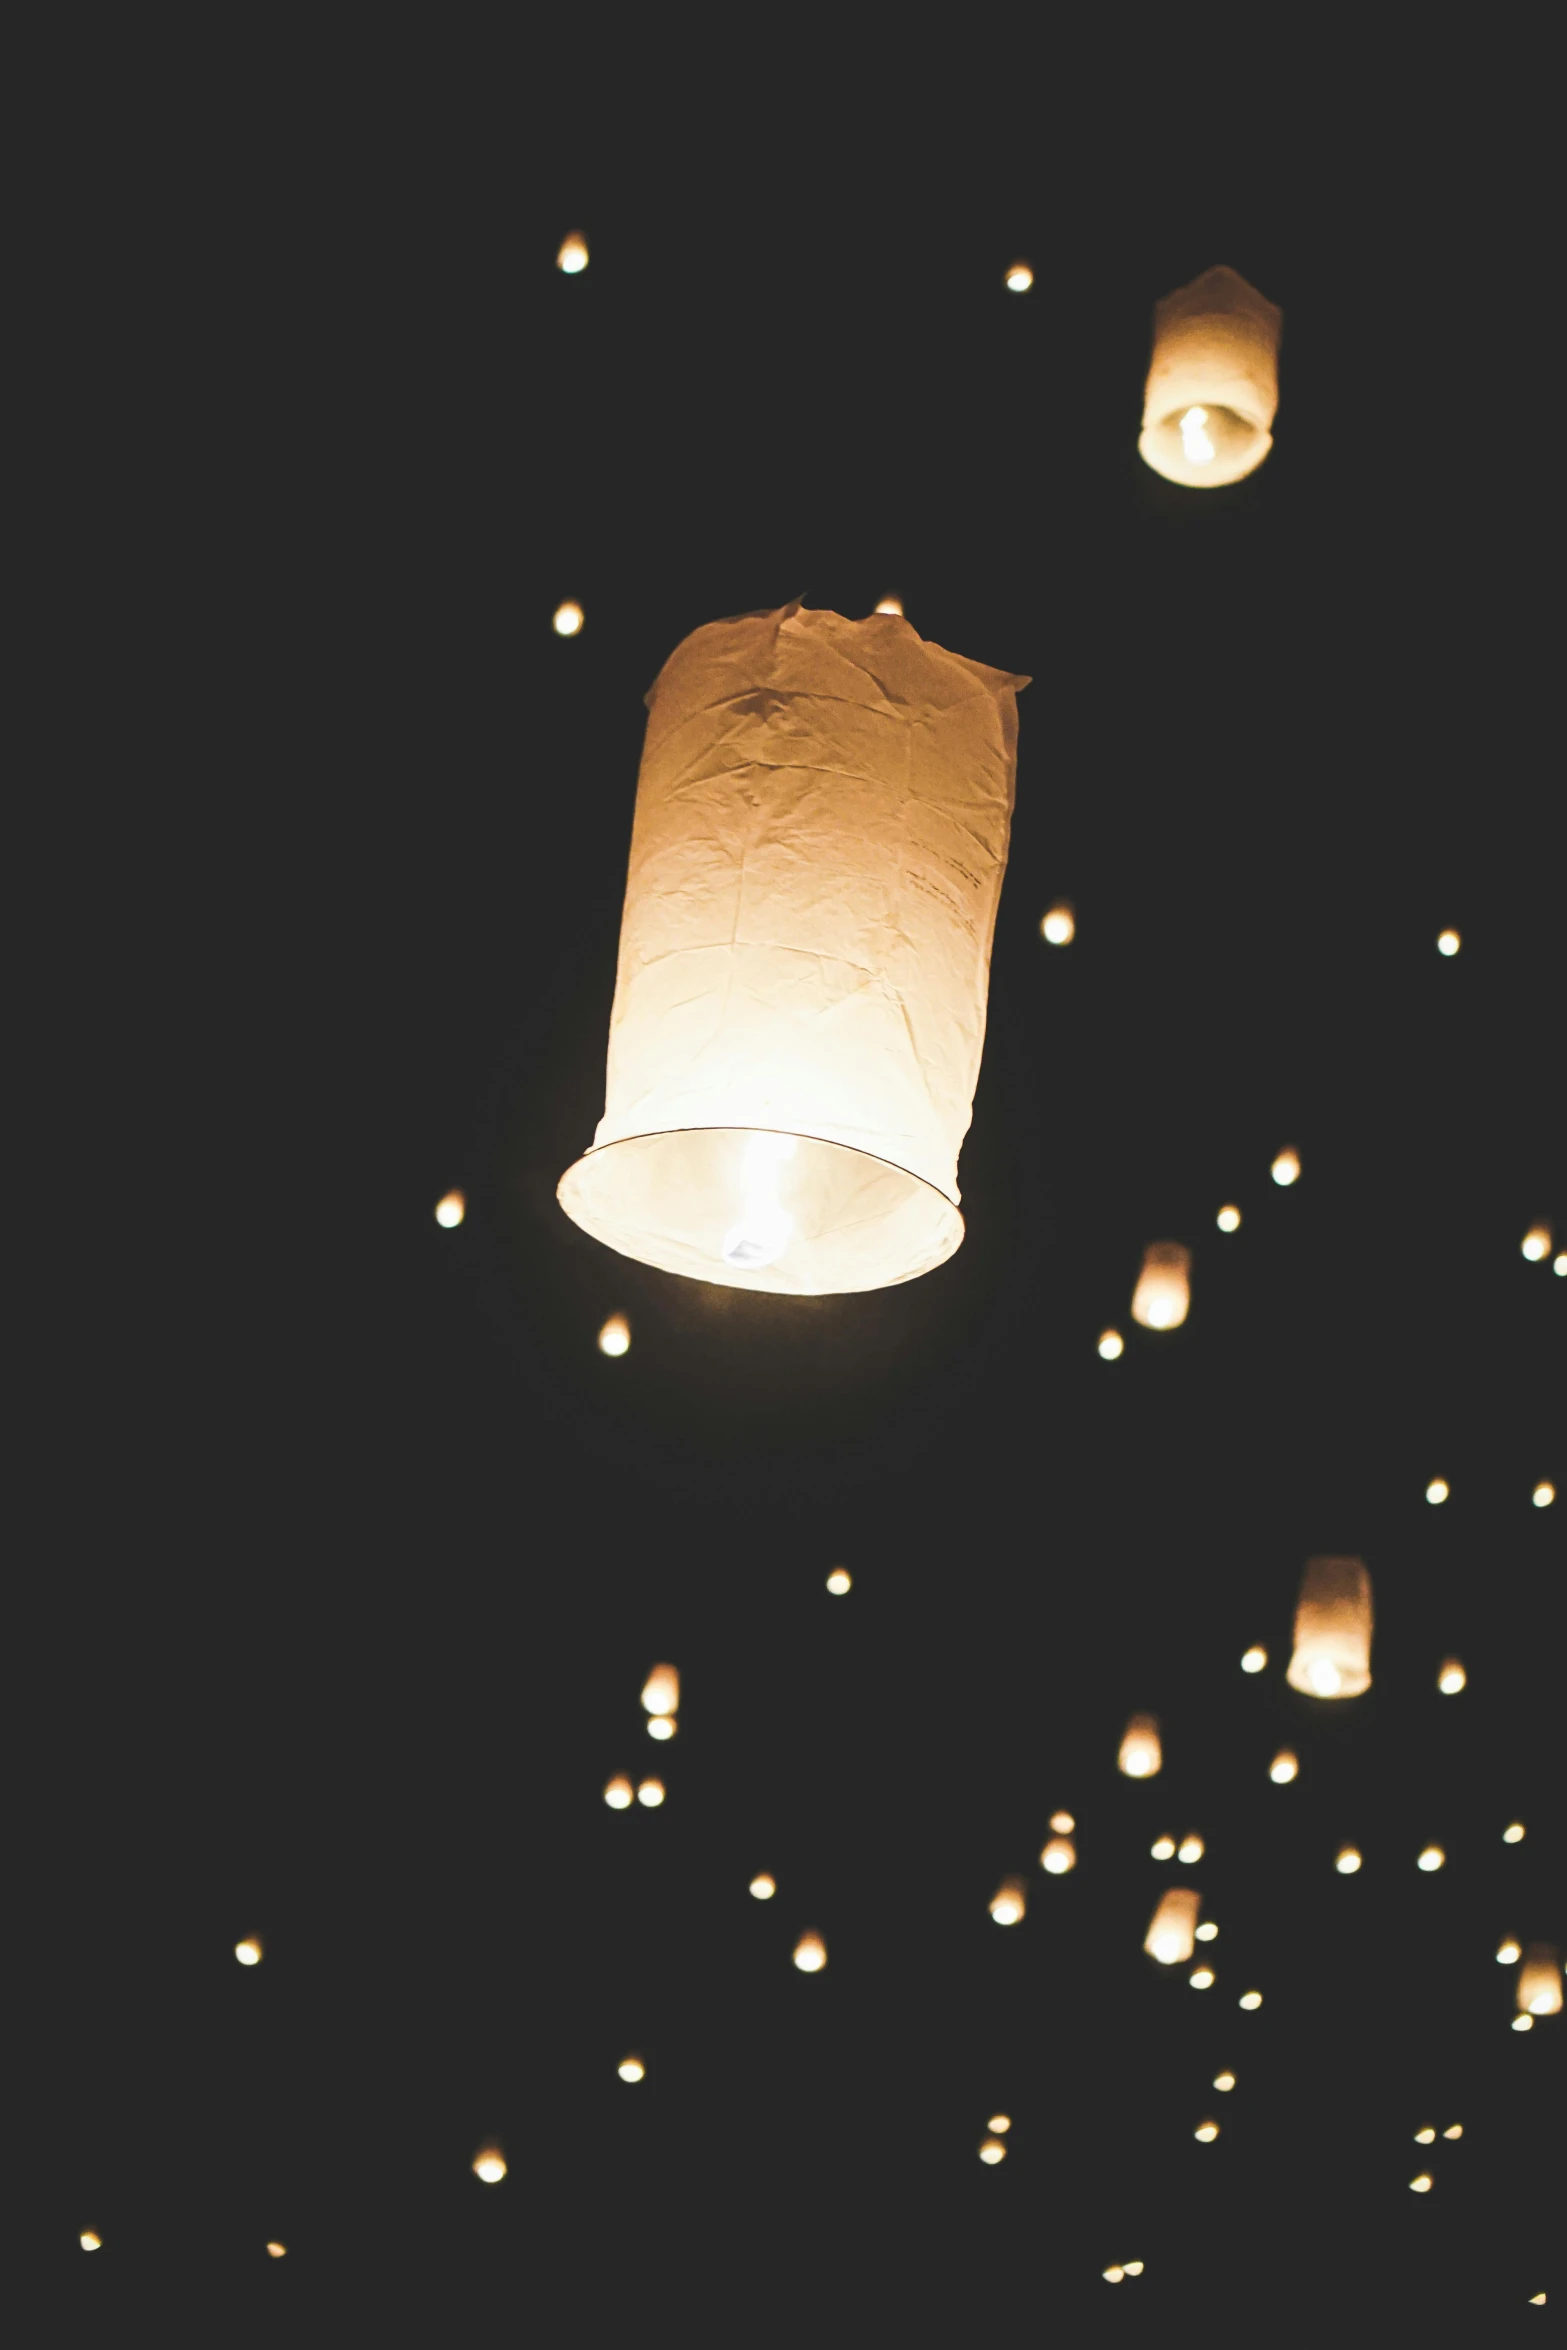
(1455, 2130)
(615, 1337)
(1000, 2123)
(1141, 1754)
(1134, 2268)
(839, 1581)
(1228, 1219)
(1250, 1999)
(631, 2068)
(1201, 1978)
(1540, 1980)
(1438, 1489)
(810, 1954)
(1189, 1849)
(651, 1792)
(1558, 1267)
(275, 2250)
(1333, 1629)
(1431, 1858)
(1206, 2132)
(892, 605)
(662, 1726)
(992, 2151)
(1112, 2275)
(1452, 1677)
(1208, 1931)
(1537, 2301)
(765, 1226)
(573, 255)
(661, 1691)
(1348, 1861)
(1422, 2184)
(1171, 1929)
(489, 2164)
(1163, 1293)
(90, 2240)
(1111, 1345)
(1254, 1661)
(248, 1952)
(568, 619)
(617, 1792)
(1425, 2137)
(1523, 2023)
(1059, 1855)
(1224, 2081)
(1062, 1822)
(763, 1887)
(1448, 942)
(1283, 1767)
(1536, 1242)
(1513, 1833)
(1009, 1901)
(1286, 1168)
(1163, 1848)
(450, 1211)
(1543, 1496)
(1508, 1952)
(1058, 925)
(1195, 444)
(1019, 278)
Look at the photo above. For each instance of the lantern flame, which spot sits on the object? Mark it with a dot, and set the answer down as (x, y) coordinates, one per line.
(1284, 1767)
(631, 2068)
(90, 2240)
(762, 1234)
(248, 1952)
(1348, 1861)
(572, 258)
(1536, 1242)
(1452, 1677)
(615, 1337)
(1195, 444)
(763, 1887)
(992, 2151)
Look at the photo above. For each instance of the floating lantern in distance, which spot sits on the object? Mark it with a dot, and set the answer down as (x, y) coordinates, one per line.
(1171, 1929)
(1438, 1490)
(1207, 1931)
(651, 1792)
(1250, 2000)
(804, 956)
(1536, 1242)
(1134, 2268)
(1062, 1822)
(1431, 1859)
(450, 1211)
(1452, 1677)
(573, 255)
(615, 1337)
(618, 1792)
(1421, 2185)
(248, 1952)
(892, 606)
(1514, 1832)
(661, 1690)
(1189, 1849)
(1559, 1263)
(1206, 2132)
(1333, 1625)
(1284, 1767)
(1201, 1978)
(1523, 2023)
(1448, 942)
(1163, 1292)
(810, 1954)
(1111, 1345)
(763, 1887)
(1348, 1861)
(631, 2068)
(1163, 1848)
(568, 619)
(1507, 1952)
(1455, 2131)
(90, 2240)
(992, 2151)
(1425, 2137)
(839, 1581)
(1009, 1901)
(1224, 2081)
(1141, 1755)
(1058, 925)
(662, 1726)
(1019, 278)
(1540, 1980)
(1213, 383)
(1254, 1661)
(1113, 2274)
(1285, 1169)
(999, 2123)
(1543, 1496)
(489, 2164)
(1537, 2301)
(1059, 1855)
(275, 2250)
(1228, 1219)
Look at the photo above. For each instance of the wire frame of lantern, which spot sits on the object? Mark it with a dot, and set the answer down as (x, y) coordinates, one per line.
(1213, 382)
(1333, 1626)
(1172, 1930)
(821, 830)
(1540, 1980)
(1141, 1755)
(1163, 1293)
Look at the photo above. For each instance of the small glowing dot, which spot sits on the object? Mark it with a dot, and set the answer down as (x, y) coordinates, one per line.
(892, 604)
(1134, 2268)
(1254, 1661)
(1438, 1489)
(1206, 2132)
(1207, 1931)
(1536, 1242)
(450, 1211)
(631, 2068)
(248, 1952)
(1283, 1768)
(1201, 1978)
(1455, 2130)
(1448, 942)
(1513, 1833)
(568, 619)
(992, 2151)
(1559, 1268)
(810, 1954)
(651, 1792)
(1111, 1345)
(1523, 2023)
(1163, 1848)
(1058, 1856)
(1112, 2276)
(573, 256)
(1543, 1496)
(1058, 925)
(839, 1581)
(615, 1337)
(1348, 1861)
(999, 2124)
(275, 2250)
(1508, 1952)
(1286, 1168)
(90, 2240)
(1452, 1677)
(1190, 1849)
(1432, 1858)
(1228, 1219)
(1019, 278)
(763, 1887)
(489, 2164)
(617, 1793)
(1224, 2081)
(1422, 2184)
(1062, 1822)
(1425, 2137)
(661, 1725)
(1250, 1999)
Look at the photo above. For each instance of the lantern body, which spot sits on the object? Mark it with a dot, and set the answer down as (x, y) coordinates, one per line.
(1213, 382)
(1141, 1755)
(1172, 1930)
(1163, 1290)
(821, 830)
(1540, 1981)
(1333, 1624)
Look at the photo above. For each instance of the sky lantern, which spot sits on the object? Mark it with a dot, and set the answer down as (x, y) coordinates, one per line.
(1540, 1980)
(1009, 1901)
(450, 1210)
(1536, 1243)
(810, 1954)
(572, 259)
(489, 2164)
(661, 1690)
(1213, 382)
(1333, 1623)
(1172, 1930)
(1059, 1855)
(1163, 1290)
(821, 829)
(248, 1952)
(1141, 1755)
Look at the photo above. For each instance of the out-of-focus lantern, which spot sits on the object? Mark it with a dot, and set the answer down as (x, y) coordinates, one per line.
(618, 1792)
(1523, 2023)
(1507, 1951)
(821, 830)
(1062, 1822)
(892, 604)
(1201, 1978)
(1059, 1855)
(1422, 2184)
(1285, 1169)
(1000, 2123)
(1189, 1849)
(1163, 1848)
(1163, 1292)
(615, 1337)
(568, 619)
(1250, 2000)
(1448, 942)
(662, 1726)
(763, 1886)
(1254, 1661)
(661, 1690)
(1540, 1980)
(1284, 1767)
(1134, 2268)
(839, 1581)
(1019, 278)
(573, 255)
(810, 1954)
(1333, 1624)
(1172, 1928)
(631, 2068)
(1206, 2132)
(1141, 1756)
(1213, 384)
(1536, 1242)
(1228, 1219)
(1425, 2137)
(1009, 1901)
(651, 1793)
(248, 1952)
(992, 2151)
(1207, 1931)
(1113, 2274)
(1430, 1859)
(1543, 1495)
(90, 2240)
(1455, 2131)
(275, 2250)
(1348, 1861)
(1058, 924)
(450, 1211)
(1438, 1490)
(1111, 1345)
(1452, 1677)
(489, 2164)
(1559, 1263)
(1224, 2081)
(1514, 1832)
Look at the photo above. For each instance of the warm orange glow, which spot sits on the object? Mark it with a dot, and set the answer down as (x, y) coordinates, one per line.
(275, 2250)
(651, 1792)
(1172, 1928)
(90, 2240)
(1009, 1901)
(810, 1954)
(1208, 1931)
(1141, 1755)
(1348, 1861)
(1206, 2132)
(1523, 2023)
(662, 1726)
(489, 2164)
(1254, 1661)
(1508, 1952)
(763, 1887)
(1537, 2301)
(248, 1952)
(568, 619)
(1559, 1264)
(615, 1337)
(1228, 1219)
(1431, 1859)
(1536, 1242)
(1286, 1168)
(1019, 278)
(1284, 1767)
(1201, 1978)
(839, 1581)
(661, 1690)
(1422, 2185)
(1514, 1832)
(999, 2123)
(1333, 1628)
(1448, 942)
(450, 1211)
(617, 1792)
(1059, 1855)
(1438, 1489)
(1163, 1293)
(1111, 1345)
(1543, 1496)
(1452, 1677)
(1456, 2130)
(893, 605)
(1134, 2268)
(1062, 1822)
(1058, 924)
(1224, 2081)
(573, 255)
(1163, 1848)
(1540, 1980)
(992, 2151)
(1425, 2137)
(1189, 1849)
(1112, 2275)
(1250, 2000)
(631, 2068)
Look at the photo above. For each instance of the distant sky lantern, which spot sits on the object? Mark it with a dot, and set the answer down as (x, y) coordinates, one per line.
(1455, 2131)
(631, 2068)
(1213, 384)
(1536, 1242)
(1172, 1929)
(276, 2250)
(1250, 2000)
(810, 1954)
(662, 1726)
(763, 1887)
(1543, 1495)
(1254, 1661)
(489, 2164)
(1333, 1626)
(1540, 1980)
(1207, 1931)
(615, 1337)
(248, 1952)
(1058, 924)
(1201, 1978)
(1285, 1169)
(1430, 1858)
(821, 829)
(839, 1581)
(1163, 1292)
(1059, 1855)
(1111, 1345)
(999, 2124)
(1438, 1490)
(1189, 1849)
(568, 619)
(892, 605)
(1448, 942)
(450, 1211)
(1009, 1901)
(992, 2151)
(1426, 2136)
(651, 1793)
(1284, 1767)
(618, 1792)
(1514, 1832)
(661, 1690)
(1114, 2274)
(1228, 1219)
(1134, 2268)
(1206, 2132)
(1163, 1848)
(1452, 1677)
(1347, 1861)
(1019, 278)
(1062, 1822)
(1523, 2023)
(90, 2240)
(1224, 2081)
(1422, 2184)
(1559, 1263)
(573, 256)
(1141, 1754)
(1508, 1952)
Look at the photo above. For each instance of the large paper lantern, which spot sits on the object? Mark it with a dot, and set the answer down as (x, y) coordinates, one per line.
(1163, 1291)
(816, 859)
(1172, 1929)
(1540, 1981)
(1332, 1656)
(1213, 381)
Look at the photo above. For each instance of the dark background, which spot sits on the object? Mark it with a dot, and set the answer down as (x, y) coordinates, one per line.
(357, 1551)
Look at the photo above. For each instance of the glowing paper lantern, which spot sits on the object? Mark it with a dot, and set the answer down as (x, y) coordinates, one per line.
(1058, 925)
(1009, 1901)
(1019, 278)
(763, 1887)
(810, 1954)
(1141, 1756)
(651, 1793)
(631, 2068)
(248, 1952)
(661, 1690)
(1452, 1677)
(1333, 1625)
(1206, 2132)
(1422, 2184)
(1172, 1930)
(1348, 1861)
(892, 604)
(839, 1581)
(1228, 1219)
(1438, 1490)
(1540, 1981)
(992, 2151)
(1284, 1767)
(1111, 1345)
(489, 2164)
(1543, 1496)
(90, 2240)
(1254, 1661)
(1163, 1290)
(450, 1211)
(1448, 942)
(1285, 1169)
(821, 831)
(1062, 1822)
(617, 1792)
(1059, 1855)
(1536, 1242)
(1514, 1832)
(568, 619)
(662, 1726)
(1224, 2081)
(1000, 2123)
(573, 255)
(275, 2250)
(1507, 1952)
(615, 1337)
(1189, 1849)
(1213, 385)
